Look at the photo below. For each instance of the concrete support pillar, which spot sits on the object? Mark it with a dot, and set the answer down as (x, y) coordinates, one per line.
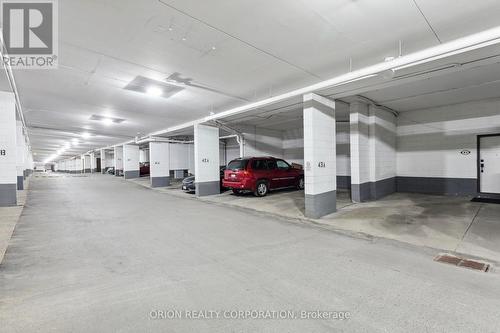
(159, 166)
(103, 161)
(131, 161)
(93, 163)
(373, 152)
(118, 160)
(79, 165)
(320, 156)
(20, 155)
(8, 150)
(87, 164)
(206, 160)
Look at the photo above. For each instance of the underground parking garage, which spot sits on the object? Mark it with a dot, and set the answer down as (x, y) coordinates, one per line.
(280, 167)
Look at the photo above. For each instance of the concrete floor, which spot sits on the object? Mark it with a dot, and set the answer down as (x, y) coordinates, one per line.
(99, 254)
(451, 224)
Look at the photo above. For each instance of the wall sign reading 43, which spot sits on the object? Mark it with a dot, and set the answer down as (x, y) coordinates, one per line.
(321, 165)
(3, 152)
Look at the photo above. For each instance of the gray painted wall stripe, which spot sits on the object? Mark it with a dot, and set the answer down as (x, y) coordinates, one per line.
(207, 188)
(343, 182)
(373, 190)
(160, 181)
(131, 174)
(319, 205)
(20, 183)
(8, 195)
(432, 185)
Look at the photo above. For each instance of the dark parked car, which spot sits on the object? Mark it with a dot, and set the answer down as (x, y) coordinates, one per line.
(110, 170)
(261, 174)
(144, 169)
(189, 186)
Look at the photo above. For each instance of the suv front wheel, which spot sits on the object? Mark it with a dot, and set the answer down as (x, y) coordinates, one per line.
(261, 189)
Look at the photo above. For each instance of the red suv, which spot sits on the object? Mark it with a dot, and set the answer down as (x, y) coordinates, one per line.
(260, 175)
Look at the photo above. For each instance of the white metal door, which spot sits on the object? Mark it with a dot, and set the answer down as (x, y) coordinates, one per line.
(490, 164)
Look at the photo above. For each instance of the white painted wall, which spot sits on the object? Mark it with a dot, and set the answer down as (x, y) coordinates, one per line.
(382, 144)
(232, 149)
(109, 159)
(430, 141)
(144, 155)
(181, 156)
(8, 174)
(262, 142)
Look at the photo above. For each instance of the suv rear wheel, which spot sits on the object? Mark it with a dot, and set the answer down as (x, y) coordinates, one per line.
(261, 189)
(300, 183)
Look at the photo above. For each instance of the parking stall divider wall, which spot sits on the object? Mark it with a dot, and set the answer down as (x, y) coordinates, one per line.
(78, 165)
(20, 155)
(118, 160)
(320, 170)
(206, 160)
(373, 152)
(103, 161)
(8, 150)
(87, 167)
(159, 164)
(131, 161)
(93, 163)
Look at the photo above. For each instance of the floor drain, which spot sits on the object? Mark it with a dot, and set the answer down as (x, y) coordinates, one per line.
(461, 262)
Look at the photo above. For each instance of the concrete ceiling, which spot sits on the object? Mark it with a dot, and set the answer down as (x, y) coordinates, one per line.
(476, 83)
(234, 51)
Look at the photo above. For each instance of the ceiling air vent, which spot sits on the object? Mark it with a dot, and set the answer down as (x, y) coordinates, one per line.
(103, 118)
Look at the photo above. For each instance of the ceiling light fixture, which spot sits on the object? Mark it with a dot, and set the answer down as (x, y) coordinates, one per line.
(154, 91)
(107, 121)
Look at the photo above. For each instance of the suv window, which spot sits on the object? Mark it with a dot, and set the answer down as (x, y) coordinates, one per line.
(282, 165)
(259, 165)
(236, 165)
(271, 165)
